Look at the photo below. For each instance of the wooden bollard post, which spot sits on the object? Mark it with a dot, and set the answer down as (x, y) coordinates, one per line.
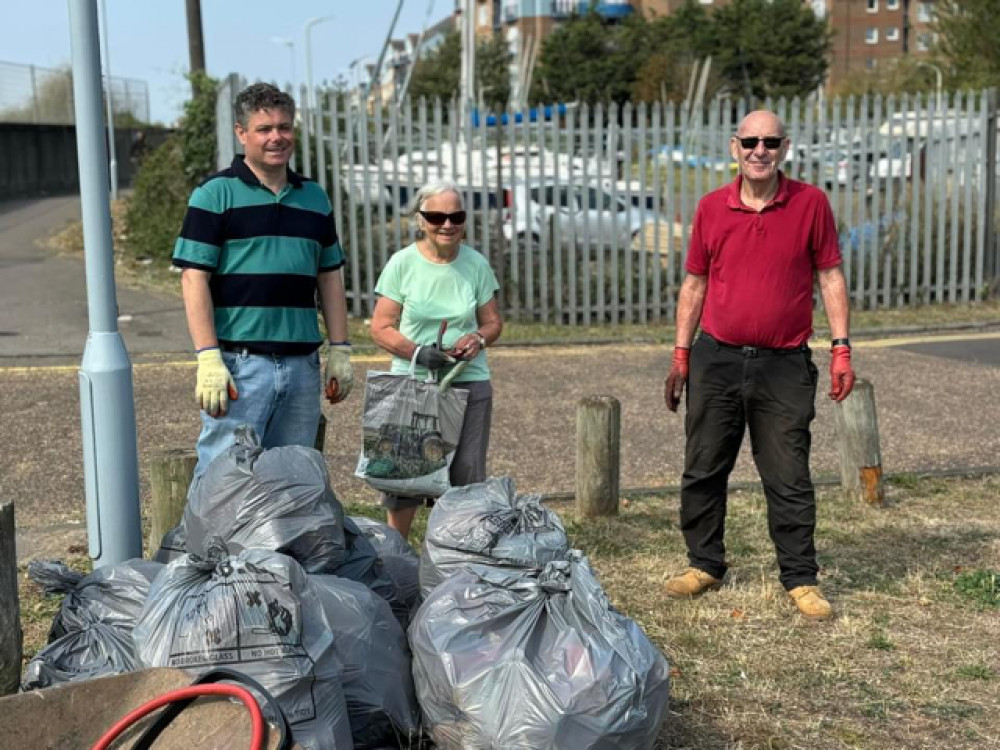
(170, 473)
(598, 459)
(10, 608)
(860, 453)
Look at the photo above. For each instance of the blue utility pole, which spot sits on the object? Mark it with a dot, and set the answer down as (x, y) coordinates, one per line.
(110, 461)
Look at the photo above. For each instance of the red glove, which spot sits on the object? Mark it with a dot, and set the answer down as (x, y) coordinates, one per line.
(841, 373)
(673, 389)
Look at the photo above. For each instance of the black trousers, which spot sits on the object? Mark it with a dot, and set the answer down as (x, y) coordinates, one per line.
(773, 394)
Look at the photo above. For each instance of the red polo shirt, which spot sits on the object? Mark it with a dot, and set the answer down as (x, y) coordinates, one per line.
(760, 266)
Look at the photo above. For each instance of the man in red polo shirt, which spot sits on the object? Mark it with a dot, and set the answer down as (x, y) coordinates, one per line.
(756, 246)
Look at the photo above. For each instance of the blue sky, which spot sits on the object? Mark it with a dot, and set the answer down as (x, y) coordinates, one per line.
(148, 38)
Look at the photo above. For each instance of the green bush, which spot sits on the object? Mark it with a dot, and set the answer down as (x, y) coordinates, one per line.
(155, 211)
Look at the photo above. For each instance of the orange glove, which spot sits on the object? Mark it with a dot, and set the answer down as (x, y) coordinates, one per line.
(841, 373)
(673, 389)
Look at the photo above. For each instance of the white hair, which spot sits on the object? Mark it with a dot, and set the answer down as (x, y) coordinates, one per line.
(431, 189)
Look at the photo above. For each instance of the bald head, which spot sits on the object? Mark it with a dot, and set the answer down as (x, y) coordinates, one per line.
(761, 122)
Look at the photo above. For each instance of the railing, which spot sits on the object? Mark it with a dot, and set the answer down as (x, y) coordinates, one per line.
(585, 212)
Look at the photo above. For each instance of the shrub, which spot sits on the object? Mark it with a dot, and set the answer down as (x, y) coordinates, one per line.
(156, 209)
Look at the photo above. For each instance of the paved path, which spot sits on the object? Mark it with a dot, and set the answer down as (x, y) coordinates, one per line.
(44, 309)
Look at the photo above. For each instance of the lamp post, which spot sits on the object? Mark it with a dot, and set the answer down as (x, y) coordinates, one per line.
(290, 43)
(112, 158)
(939, 78)
(307, 105)
(306, 31)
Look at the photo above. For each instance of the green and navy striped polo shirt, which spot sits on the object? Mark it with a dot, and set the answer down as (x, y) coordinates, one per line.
(264, 252)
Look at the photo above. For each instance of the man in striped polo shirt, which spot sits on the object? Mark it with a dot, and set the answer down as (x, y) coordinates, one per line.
(258, 243)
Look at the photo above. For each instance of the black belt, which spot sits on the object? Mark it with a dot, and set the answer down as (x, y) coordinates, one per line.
(754, 351)
(241, 349)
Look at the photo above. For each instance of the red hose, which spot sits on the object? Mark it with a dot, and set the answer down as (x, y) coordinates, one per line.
(192, 691)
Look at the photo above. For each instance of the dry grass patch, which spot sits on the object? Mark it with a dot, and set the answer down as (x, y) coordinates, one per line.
(910, 661)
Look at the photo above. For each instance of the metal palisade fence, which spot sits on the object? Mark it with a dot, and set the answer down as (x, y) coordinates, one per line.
(584, 212)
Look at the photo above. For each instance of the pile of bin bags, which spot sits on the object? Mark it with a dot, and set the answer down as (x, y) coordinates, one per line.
(516, 644)
(277, 584)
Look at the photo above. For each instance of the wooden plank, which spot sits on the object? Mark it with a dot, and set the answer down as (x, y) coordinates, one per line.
(11, 638)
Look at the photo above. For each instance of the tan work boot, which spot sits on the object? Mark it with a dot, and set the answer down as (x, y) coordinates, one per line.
(691, 582)
(811, 602)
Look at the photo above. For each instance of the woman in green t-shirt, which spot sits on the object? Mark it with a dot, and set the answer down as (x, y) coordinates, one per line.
(436, 279)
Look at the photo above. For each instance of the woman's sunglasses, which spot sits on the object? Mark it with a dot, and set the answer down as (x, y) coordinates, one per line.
(437, 218)
(770, 143)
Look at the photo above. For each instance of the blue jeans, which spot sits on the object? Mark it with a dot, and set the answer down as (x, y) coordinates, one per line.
(278, 398)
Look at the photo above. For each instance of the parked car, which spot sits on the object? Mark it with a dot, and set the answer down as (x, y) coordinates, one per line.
(581, 211)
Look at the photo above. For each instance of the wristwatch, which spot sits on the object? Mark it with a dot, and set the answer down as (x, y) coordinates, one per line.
(841, 342)
(480, 338)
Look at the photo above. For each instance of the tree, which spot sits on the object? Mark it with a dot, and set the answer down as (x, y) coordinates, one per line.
(493, 72)
(676, 42)
(588, 61)
(438, 75)
(905, 74)
(766, 48)
(967, 39)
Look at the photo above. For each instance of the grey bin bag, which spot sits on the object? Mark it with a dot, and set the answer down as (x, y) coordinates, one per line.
(172, 546)
(375, 655)
(507, 660)
(54, 576)
(112, 595)
(91, 635)
(489, 524)
(399, 560)
(410, 430)
(364, 566)
(257, 613)
(95, 650)
(278, 499)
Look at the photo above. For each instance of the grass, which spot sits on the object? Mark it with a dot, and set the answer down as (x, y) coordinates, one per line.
(909, 662)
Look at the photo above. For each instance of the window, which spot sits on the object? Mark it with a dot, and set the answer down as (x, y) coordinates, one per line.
(925, 41)
(871, 63)
(705, 2)
(892, 34)
(892, 4)
(873, 6)
(871, 35)
(924, 12)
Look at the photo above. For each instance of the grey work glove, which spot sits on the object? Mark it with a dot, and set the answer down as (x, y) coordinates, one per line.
(433, 358)
(338, 376)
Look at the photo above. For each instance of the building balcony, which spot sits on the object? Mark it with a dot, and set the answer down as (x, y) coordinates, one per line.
(612, 10)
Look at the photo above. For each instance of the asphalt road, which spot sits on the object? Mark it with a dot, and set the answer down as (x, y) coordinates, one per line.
(44, 295)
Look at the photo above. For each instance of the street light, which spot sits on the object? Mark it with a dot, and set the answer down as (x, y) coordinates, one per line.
(309, 70)
(307, 109)
(938, 76)
(290, 43)
(112, 158)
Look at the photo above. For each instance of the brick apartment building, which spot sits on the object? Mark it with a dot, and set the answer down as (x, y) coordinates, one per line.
(866, 32)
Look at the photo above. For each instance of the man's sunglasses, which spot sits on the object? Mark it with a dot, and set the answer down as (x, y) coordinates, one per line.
(770, 143)
(437, 218)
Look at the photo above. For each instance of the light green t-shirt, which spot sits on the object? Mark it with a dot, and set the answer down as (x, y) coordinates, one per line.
(432, 292)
